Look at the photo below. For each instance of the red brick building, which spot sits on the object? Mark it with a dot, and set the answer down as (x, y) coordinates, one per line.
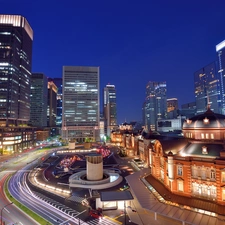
(192, 166)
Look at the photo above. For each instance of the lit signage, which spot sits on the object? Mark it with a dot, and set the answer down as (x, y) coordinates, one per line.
(220, 46)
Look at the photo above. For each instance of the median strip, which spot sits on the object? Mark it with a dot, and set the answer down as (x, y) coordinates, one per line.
(26, 210)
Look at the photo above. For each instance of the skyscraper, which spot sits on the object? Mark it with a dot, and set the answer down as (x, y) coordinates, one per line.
(58, 83)
(172, 104)
(156, 107)
(52, 103)
(80, 111)
(39, 100)
(207, 92)
(220, 49)
(16, 37)
(110, 112)
(172, 107)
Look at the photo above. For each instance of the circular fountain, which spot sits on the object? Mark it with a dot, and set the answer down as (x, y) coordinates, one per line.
(95, 177)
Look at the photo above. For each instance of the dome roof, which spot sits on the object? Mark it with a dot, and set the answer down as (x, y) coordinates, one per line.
(209, 119)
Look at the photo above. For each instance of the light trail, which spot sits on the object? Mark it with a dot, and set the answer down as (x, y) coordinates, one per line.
(20, 190)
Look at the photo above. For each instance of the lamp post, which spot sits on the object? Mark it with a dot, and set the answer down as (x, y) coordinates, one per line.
(4, 208)
(125, 222)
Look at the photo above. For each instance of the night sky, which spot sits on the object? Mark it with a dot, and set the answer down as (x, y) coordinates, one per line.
(133, 42)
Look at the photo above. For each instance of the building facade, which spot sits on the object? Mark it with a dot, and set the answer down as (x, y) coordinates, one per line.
(52, 103)
(172, 104)
(58, 83)
(16, 38)
(80, 111)
(193, 166)
(207, 89)
(170, 125)
(110, 112)
(188, 110)
(39, 100)
(155, 103)
(220, 49)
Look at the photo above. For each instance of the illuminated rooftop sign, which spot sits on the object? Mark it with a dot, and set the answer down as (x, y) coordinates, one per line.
(17, 21)
(220, 46)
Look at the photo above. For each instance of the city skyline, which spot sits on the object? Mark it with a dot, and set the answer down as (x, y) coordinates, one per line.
(132, 44)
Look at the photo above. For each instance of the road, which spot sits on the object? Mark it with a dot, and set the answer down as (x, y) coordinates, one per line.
(11, 214)
(53, 209)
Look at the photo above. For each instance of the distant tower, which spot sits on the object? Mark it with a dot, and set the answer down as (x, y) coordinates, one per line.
(110, 111)
(80, 110)
(172, 104)
(39, 100)
(156, 107)
(16, 38)
(220, 49)
(52, 103)
(172, 108)
(58, 83)
(207, 90)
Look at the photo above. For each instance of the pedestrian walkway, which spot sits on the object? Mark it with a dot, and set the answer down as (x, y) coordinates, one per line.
(152, 208)
(182, 200)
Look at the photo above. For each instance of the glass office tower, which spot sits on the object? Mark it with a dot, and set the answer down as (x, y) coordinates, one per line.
(39, 100)
(220, 49)
(52, 103)
(156, 103)
(80, 111)
(58, 83)
(110, 112)
(16, 37)
(207, 89)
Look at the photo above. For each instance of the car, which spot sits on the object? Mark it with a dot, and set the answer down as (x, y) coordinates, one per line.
(125, 187)
(95, 214)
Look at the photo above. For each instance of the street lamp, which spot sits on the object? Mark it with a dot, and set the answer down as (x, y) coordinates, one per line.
(125, 222)
(4, 208)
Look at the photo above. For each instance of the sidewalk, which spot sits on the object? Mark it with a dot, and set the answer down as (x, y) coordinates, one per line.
(153, 209)
(182, 200)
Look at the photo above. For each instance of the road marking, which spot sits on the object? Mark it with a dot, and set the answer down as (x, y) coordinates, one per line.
(112, 219)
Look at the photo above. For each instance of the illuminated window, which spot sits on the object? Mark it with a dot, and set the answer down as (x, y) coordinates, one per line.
(223, 194)
(199, 189)
(202, 136)
(212, 136)
(207, 136)
(223, 177)
(195, 188)
(180, 170)
(189, 121)
(162, 174)
(194, 171)
(180, 185)
(203, 173)
(213, 191)
(213, 174)
(206, 121)
(204, 150)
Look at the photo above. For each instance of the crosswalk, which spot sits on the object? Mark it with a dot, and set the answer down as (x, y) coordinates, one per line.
(57, 205)
(73, 212)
